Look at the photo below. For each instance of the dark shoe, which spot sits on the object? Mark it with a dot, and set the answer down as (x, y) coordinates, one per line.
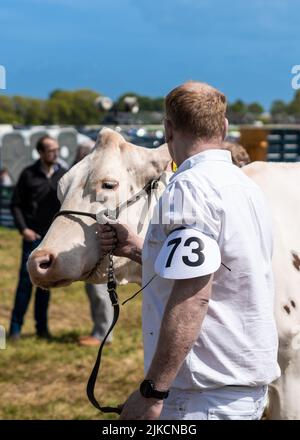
(44, 335)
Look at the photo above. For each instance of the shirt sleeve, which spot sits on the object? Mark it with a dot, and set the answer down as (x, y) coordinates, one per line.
(185, 204)
(16, 204)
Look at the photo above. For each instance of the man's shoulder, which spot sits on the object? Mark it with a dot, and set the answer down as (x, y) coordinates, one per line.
(29, 170)
(60, 170)
(190, 180)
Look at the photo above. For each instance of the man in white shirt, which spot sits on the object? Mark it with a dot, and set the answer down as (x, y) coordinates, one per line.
(210, 339)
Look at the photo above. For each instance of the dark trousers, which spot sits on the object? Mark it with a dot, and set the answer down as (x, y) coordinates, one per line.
(23, 295)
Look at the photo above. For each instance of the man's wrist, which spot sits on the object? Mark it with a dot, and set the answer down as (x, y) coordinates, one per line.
(148, 389)
(134, 251)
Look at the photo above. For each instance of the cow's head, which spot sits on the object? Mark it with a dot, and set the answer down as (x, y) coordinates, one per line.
(112, 173)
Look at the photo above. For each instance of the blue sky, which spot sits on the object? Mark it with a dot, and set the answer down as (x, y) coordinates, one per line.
(246, 48)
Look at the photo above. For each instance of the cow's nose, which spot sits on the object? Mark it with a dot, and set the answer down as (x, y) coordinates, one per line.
(44, 262)
(40, 265)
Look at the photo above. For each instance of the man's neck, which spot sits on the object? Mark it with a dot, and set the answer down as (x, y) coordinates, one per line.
(47, 168)
(184, 148)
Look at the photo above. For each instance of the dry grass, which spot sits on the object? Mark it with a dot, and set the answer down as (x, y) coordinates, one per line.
(47, 380)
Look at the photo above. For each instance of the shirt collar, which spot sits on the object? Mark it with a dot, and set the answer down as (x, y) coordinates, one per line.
(215, 154)
(56, 166)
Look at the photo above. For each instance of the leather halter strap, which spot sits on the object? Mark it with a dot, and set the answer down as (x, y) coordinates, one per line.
(152, 184)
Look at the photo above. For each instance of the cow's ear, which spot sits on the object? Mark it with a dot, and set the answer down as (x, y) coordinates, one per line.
(157, 161)
(169, 166)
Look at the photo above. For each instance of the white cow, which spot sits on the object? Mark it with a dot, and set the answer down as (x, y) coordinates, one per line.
(279, 182)
(115, 171)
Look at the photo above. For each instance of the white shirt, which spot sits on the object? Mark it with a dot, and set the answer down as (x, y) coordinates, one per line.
(238, 341)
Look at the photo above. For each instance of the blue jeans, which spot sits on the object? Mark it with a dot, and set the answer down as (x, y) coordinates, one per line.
(23, 295)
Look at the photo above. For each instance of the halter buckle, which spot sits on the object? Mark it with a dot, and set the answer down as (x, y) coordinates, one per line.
(113, 295)
(106, 216)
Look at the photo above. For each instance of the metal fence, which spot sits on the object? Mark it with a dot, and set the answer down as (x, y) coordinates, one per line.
(6, 218)
(284, 145)
(18, 147)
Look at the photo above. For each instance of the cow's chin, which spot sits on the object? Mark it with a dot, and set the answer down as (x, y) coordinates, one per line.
(53, 284)
(96, 276)
(99, 273)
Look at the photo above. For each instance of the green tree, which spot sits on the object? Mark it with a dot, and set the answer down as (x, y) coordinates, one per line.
(84, 109)
(145, 103)
(29, 111)
(278, 107)
(73, 107)
(238, 107)
(7, 113)
(159, 104)
(255, 108)
(294, 106)
(119, 103)
(57, 111)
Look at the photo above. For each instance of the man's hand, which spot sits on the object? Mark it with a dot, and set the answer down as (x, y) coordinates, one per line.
(121, 240)
(138, 407)
(30, 235)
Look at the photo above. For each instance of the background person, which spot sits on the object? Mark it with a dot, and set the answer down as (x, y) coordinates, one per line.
(100, 304)
(5, 179)
(34, 204)
(239, 154)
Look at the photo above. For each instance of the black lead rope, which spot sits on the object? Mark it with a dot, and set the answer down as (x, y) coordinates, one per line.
(111, 288)
(136, 293)
(90, 389)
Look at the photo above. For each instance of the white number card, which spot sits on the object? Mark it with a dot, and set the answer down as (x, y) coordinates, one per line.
(187, 253)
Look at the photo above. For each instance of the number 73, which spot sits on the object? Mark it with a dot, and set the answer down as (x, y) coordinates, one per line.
(197, 251)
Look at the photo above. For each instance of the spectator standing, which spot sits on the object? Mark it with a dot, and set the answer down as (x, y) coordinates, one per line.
(33, 206)
(100, 304)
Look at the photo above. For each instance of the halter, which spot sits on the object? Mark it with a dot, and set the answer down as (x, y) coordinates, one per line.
(108, 214)
(102, 217)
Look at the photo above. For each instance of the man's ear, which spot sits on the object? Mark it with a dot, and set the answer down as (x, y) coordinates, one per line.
(226, 125)
(168, 130)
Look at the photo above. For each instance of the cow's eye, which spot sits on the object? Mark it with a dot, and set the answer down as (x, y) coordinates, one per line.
(109, 185)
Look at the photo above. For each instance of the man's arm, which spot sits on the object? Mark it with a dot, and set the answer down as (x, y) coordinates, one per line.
(16, 204)
(181, 324)
(180, 328)
(184, 312)
(16, 210)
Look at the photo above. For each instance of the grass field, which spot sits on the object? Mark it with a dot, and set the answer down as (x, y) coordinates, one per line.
(47, 380)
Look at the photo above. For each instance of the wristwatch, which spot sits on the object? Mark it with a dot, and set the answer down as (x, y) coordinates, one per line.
(147, 389)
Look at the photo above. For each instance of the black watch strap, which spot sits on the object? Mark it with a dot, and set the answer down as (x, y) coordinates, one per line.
(160, 394)
(147, 389)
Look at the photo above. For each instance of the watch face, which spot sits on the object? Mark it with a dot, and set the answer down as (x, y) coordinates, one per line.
(147, 388)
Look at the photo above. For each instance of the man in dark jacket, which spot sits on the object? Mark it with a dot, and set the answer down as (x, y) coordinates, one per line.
(33, 206)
